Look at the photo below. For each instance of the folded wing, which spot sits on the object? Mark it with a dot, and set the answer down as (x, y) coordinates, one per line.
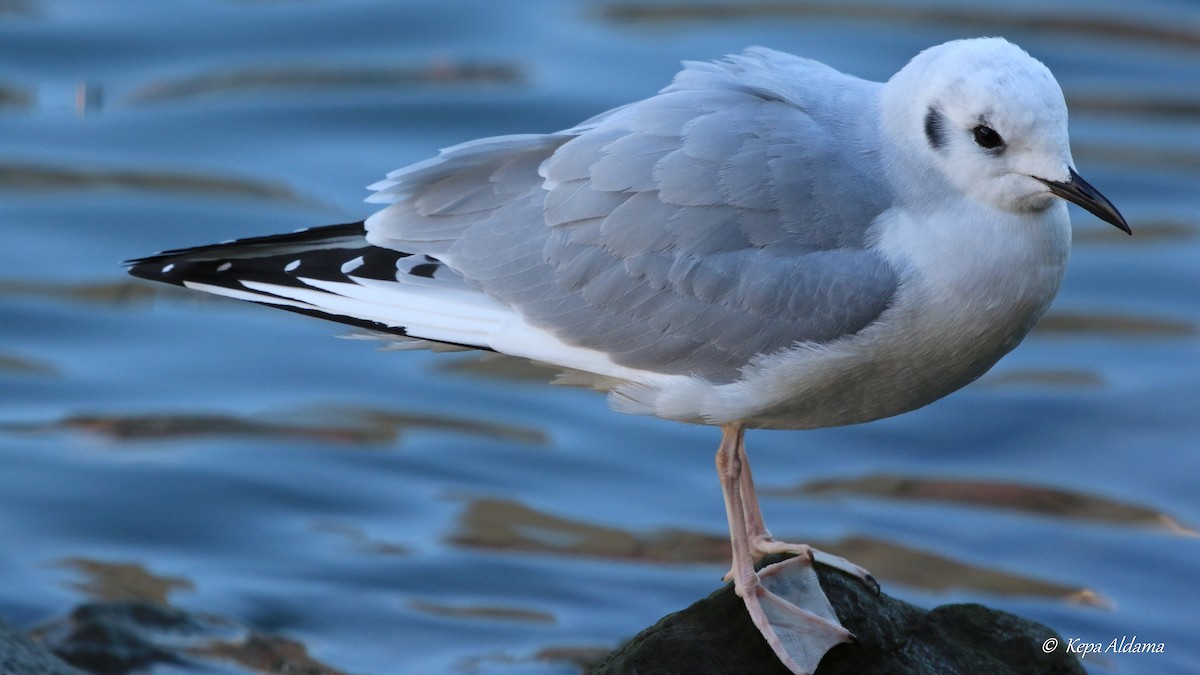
(685, 234)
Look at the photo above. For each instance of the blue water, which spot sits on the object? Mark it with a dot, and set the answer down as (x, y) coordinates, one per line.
(427, 513)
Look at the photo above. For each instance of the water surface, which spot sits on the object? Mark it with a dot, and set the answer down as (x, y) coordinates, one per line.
(433, 513)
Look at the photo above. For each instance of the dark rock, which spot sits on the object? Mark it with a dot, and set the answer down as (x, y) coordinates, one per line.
(715, 636)
(120, 637)
(21, 656)
(116, 638)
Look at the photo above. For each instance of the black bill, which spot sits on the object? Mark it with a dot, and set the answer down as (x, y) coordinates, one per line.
(1079, 191)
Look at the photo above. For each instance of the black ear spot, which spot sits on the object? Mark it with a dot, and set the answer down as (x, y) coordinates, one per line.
(935, 129)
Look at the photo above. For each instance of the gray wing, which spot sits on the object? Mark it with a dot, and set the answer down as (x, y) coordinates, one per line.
(687, 233)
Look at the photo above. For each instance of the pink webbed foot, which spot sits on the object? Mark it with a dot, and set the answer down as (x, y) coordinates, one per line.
(764, 545)
(787, 605)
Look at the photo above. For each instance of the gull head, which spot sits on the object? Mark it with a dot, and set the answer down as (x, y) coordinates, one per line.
(991, 120)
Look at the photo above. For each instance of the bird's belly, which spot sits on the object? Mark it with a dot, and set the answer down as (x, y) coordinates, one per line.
(949, 322)
(906, 360)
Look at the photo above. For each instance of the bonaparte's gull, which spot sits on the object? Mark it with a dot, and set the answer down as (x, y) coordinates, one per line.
(767, 242)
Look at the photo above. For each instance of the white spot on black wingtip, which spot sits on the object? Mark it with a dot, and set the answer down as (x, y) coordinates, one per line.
(167, 268)
(351, 265)
(415, 267)
(292, 266)
(224, 267)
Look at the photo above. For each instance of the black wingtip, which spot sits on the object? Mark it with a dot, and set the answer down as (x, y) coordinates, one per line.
(178, 265)
(151, 269)
(281, 263)
(252, 246)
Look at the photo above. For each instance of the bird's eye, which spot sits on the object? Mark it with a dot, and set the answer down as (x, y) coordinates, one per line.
(986, 137)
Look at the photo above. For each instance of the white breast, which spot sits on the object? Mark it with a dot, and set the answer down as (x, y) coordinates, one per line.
(972, 289)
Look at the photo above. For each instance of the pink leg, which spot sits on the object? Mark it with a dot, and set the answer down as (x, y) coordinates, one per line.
(762, 543)
(800, 627)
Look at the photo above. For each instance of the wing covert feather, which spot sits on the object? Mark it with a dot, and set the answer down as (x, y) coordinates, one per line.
(724, 218)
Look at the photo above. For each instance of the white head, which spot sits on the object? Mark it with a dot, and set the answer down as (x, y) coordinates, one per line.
(992, 121)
